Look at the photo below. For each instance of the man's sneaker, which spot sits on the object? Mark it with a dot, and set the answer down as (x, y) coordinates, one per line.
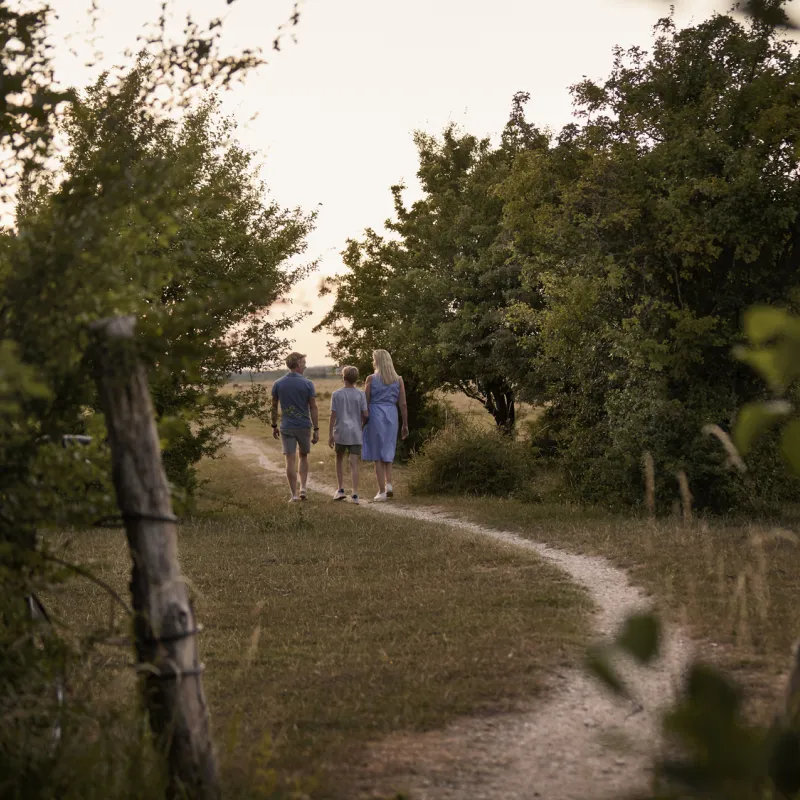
(380, 497)
(389, 490)
(354, 499)
(303, 494)
(340, 495)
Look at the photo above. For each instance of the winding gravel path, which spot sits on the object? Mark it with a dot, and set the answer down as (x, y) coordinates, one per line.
(579, 742)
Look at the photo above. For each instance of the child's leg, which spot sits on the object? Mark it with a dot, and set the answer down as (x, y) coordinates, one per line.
(354, 459)
(340, 469)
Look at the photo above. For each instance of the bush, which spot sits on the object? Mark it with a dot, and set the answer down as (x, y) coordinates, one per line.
(426, 417)
(465, 459)
(601, 457)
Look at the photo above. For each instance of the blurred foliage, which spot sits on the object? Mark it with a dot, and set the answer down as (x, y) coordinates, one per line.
(715, 753)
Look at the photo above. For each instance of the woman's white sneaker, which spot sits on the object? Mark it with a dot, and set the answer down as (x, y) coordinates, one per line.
(379, 498)
(340, 495)
(354, 499)
(389, 490)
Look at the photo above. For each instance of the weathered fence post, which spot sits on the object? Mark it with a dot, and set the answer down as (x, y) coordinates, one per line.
(164, 625)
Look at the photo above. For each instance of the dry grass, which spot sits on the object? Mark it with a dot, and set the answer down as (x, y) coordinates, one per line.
(327, 627)
(735, 584)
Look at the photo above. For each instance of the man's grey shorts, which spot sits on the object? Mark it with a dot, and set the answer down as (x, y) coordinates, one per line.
(292, 438)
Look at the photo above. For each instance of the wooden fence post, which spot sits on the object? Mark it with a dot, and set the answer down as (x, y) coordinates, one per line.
(164, 625)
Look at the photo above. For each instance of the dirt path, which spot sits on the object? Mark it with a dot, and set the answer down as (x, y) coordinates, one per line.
(577, 743)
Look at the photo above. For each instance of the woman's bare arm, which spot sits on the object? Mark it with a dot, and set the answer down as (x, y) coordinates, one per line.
(401, 401)
(368, 387)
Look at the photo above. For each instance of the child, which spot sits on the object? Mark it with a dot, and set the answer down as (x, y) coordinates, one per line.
(349, 414)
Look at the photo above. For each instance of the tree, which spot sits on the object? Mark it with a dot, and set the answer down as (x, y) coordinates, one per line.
(152, 212)
(438, 286)
(164, 220)
(644, 233)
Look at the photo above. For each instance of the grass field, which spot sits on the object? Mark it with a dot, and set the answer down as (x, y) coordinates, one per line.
(328, 627)
(734, 583)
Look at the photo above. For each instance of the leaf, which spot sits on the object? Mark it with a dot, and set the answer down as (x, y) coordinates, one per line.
(598, 663)
(712, 695)
(754, 419)
(766, 362)
(762, 323)
(640, 637)
(790, 445)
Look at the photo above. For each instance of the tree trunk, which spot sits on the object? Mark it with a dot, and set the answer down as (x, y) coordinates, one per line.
(164, 625)
(500, 404)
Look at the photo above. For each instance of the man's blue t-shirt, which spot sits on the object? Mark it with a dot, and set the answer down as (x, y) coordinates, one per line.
(294, 391)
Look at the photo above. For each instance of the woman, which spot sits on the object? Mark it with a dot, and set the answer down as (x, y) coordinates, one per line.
(385, 392)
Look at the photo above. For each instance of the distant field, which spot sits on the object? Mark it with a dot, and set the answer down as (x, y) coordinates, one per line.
(463, 405)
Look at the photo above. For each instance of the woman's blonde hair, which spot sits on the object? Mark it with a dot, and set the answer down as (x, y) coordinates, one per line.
(384, 366)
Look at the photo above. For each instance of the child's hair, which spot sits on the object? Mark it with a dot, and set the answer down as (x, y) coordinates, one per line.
(350, 374)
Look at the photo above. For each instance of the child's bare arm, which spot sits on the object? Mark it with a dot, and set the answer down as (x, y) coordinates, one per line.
(330, 428)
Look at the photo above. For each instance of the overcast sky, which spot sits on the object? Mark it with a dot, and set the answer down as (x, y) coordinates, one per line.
(336, 110)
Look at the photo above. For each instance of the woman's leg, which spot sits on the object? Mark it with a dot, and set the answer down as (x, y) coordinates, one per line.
(380, 475)
(387, 468)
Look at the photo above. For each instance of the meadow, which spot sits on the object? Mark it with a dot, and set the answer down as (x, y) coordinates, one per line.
(731, 581)
(328, 627)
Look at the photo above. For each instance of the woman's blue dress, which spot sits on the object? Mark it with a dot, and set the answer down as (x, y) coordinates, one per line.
(380, 433)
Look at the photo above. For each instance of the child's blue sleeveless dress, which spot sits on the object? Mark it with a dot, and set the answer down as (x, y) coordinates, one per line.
(380, 433)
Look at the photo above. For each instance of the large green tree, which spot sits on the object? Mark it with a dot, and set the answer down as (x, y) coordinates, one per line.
(165, 220)
(645, 231)
(435, 288)
(152, 210)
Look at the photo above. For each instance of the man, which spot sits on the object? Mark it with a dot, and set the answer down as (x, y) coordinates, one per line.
(297, 398)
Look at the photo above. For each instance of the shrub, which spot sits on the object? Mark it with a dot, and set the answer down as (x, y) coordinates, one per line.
(427, 416)
(465, 459)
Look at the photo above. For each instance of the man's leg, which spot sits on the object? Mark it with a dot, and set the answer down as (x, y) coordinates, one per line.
(340, 470)
(303, 471)
(354, 459)
(291, 472)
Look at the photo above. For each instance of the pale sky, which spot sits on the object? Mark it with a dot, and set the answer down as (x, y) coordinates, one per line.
(336, 111)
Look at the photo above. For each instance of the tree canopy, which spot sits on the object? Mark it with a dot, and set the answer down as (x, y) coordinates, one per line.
(601, 272)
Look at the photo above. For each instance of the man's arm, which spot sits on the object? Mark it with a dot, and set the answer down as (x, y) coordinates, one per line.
(274, 416)
(330, 429)
(312, 407)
